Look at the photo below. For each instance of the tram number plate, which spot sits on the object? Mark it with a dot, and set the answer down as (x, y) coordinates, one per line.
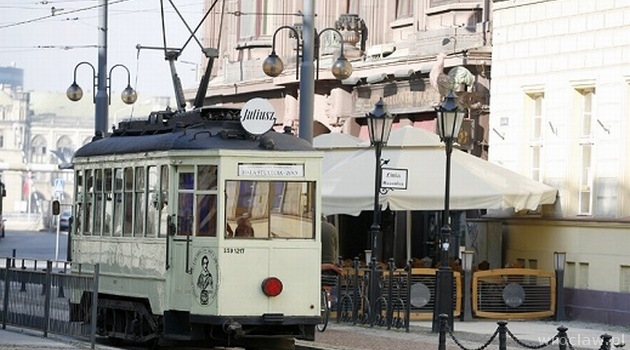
(233, 250)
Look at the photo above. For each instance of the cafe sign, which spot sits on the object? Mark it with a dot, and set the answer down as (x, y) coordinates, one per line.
(394, 178)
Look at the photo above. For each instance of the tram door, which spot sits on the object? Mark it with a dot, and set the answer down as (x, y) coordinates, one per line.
(192, 272)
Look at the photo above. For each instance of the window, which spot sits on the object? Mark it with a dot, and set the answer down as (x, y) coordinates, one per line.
(255, 20)
(118, 202)
(64, 151)
(127, 228)
(185, 199)
(38, 149)
(582, 276)
(79, 191)
(534, 109)
(155, 201)
(108, 202)
(122, 202)
(269, 209)
(89, 205)
(570, 274)
(404, 9)
(197, 201)
(140, 202)
(163, 202)
(206, 200)
(353, 7)
(586, 143)
(98, 202)
(624, 279)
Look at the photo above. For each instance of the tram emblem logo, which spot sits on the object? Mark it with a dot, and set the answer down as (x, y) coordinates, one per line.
(206, 270)
(258, 116)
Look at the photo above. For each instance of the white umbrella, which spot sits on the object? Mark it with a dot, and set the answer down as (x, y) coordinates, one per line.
(348, 178)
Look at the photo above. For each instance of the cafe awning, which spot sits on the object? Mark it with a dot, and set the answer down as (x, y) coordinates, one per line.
(418, 154)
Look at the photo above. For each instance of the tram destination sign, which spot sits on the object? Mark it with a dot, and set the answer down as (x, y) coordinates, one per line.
(394, 178)
(271, 170)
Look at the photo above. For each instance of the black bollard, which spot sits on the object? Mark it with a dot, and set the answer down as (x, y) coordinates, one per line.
(443, 318)
(502, 335)
(605, 341)
(13, 260)
(563, 339)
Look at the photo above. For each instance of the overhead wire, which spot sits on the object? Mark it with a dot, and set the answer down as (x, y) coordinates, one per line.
(59, 13)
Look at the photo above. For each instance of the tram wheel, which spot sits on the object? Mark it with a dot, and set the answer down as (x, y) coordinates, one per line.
(272, 344)
(117, 342)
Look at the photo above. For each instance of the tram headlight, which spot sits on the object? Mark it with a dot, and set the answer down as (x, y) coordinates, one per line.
(272, 286)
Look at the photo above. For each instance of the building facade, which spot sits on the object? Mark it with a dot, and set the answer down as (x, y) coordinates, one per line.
(392, 46)
(560, 110)
(39, 132)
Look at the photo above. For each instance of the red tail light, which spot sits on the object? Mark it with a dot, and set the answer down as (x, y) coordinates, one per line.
(272, 286)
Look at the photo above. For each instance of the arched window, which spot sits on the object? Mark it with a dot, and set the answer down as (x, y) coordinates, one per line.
(65, 150)
(38, 149)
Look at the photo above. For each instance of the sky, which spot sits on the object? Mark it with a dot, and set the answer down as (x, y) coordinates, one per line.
(48, 47)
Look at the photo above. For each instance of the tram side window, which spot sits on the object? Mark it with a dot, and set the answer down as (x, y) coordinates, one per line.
(139, 202)
(153, 210)
(108, 202)
(207, 215)
(98, 202)
(206, 202)
(89, 198)
(80, 200)
(128, 203)
(163, 202)
(118, 202)
(270, 209)
(206, 177)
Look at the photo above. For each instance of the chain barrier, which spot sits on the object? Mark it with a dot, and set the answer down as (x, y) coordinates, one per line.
(502, 331)
(528, 346)
(482, 347)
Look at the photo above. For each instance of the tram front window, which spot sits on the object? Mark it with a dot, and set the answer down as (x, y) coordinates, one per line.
(269, 209)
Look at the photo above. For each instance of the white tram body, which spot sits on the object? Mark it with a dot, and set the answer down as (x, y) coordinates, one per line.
(165, 207)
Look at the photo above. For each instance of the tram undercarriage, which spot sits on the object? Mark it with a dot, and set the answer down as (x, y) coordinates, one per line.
(131, 320)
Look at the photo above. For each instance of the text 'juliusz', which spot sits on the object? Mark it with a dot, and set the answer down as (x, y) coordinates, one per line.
(258, 114)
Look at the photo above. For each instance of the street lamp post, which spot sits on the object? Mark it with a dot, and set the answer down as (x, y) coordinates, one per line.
(449, 120)
(559, 260)
(273, 67)
(379, 126)
(75, 93)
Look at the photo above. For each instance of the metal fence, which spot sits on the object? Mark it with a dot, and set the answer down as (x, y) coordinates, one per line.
(401, 295)
(37, 294)
(404, 295)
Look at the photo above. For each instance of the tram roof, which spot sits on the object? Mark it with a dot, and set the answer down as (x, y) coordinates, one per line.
(207, 128)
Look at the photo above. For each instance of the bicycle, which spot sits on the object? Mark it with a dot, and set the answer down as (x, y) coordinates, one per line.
(324, 308)
(328, 281)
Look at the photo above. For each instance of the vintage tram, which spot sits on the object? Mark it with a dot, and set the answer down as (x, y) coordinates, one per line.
(202, 231)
